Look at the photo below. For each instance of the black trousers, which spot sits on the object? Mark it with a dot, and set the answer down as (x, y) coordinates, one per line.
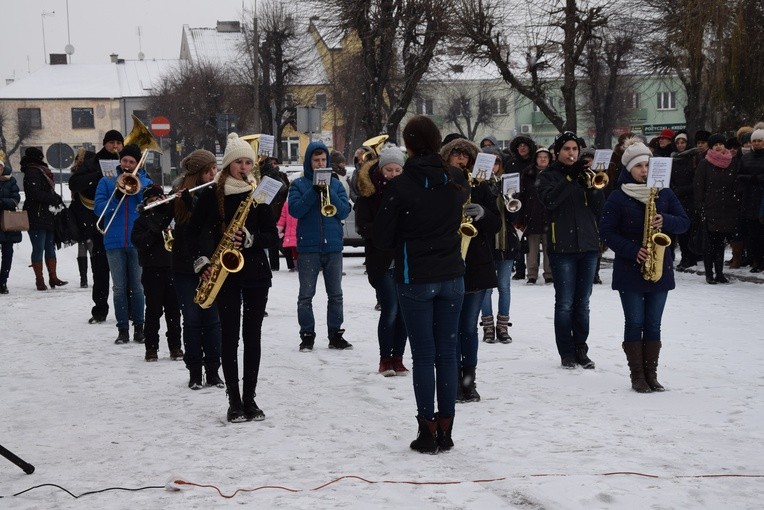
(713, 252)
(273, 257)
(235, 302)
(100, 265)
(159, 290)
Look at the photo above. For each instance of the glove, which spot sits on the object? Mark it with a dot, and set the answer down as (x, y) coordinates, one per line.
(474, 210)
(576, 169)
(319, 189)
(187, 199)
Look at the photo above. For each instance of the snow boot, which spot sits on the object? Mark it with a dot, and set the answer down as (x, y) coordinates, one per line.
(337, 342)
(123, 337)
(443, 434)
(502, 329)
(426, 440)
(213, 379)
(581, 357)
(467, 383)
(235, 412)
(39, 278)
(737, 254)
(386, 366)
(251, 411)
(53, 280)
(138, 335)
(195, 378)
(650, 352)
(306, 341)
(633, 352)
(82, 265)
(489, 331)
(398, 366)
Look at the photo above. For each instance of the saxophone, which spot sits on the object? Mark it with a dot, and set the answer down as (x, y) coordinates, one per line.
(654, 241)
(226, 258)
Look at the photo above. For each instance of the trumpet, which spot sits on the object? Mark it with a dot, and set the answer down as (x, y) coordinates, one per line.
(327, 208)
(129, 185)
(595, 179)
(511, 203)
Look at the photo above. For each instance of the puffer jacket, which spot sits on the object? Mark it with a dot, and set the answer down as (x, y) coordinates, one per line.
(118, 235)
(317, 233)
(9, 201)
(622, 230)
(370, 185)
(40, 199)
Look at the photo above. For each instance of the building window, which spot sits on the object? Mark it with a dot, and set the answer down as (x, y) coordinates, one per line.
(424, 107)
(321, 101)
(82, 118)
(498, 106)
(30, 118)
(288, 100)
(290, 149)
(667, 100)
(632, 101)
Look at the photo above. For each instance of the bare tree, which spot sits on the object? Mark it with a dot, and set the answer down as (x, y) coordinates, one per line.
(468, 111)
(23, 132)
(555, 35)
(398, 39)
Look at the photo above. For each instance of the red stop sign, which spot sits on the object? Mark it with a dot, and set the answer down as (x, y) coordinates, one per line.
(160, 126)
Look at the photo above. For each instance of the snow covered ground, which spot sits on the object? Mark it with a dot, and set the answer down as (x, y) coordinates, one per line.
(91, 415)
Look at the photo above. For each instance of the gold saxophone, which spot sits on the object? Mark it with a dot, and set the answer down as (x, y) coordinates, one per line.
(466, 229)
(227, 258)
(654, 241)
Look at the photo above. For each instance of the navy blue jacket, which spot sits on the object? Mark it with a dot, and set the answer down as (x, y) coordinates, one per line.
(9, 201)
(622, 228)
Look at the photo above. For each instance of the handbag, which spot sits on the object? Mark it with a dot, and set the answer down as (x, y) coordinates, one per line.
(14, 221)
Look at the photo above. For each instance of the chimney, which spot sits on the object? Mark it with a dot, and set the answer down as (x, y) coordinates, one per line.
(114, 58)
(228, 26)
(57, 59)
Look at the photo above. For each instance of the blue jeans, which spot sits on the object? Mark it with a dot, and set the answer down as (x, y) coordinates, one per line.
(43, 241)
(391, 329)
(467, 348)
(202, 335)
(308, 267)
(432, 325)
(573, 275)
(504, 273)
(126, 285)
(642, 313)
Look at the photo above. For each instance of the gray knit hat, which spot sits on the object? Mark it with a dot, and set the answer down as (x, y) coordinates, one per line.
(390, 154)
(634, 152)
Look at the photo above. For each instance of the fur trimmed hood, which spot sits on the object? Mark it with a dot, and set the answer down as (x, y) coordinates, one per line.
(527, 141)
(462, 144)
(366, 187)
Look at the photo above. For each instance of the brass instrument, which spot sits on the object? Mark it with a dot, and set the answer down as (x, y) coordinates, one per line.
(466, 229)
(595, 179)
(371, 148)
(142, 137)
(168, 238)
(327, 208)
(226, 258)
(654, 241)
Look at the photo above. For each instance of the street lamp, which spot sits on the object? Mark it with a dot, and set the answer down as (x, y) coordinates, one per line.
(43, 15)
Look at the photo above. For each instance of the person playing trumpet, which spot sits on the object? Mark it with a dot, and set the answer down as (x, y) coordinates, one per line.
(156, 274)
(319, 246)
(573, 241)
(120, 252)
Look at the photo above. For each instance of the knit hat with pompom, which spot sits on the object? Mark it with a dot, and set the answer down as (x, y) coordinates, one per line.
(635, 151)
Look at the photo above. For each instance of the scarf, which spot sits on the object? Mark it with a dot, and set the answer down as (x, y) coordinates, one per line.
(719, 159)
(234, 186)
(637, 191)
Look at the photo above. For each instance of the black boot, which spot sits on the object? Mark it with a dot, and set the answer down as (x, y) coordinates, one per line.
(337, 342)
(82, 264)
(306, 340)
(251, 410)
(3, 288)
(581, 357)
(426, 440)
(235, 407)
(469, 389)
(443, 434)
(650, 352)
(195, 378)
(213, 379)
(123, 337)
(633, 352)
(138, 335)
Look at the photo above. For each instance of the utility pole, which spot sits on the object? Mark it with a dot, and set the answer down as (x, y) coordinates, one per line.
(256, 71)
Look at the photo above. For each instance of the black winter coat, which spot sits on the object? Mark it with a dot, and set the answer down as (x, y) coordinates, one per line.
(419, 218)
(572, 210)
(480, 272)
(715, 198)
(682, 176)
(83, 184)
(533, 212)
(370, 184)
(39, 195)
(9, 201)
(205, 231)
(148, 240)
(750, 183)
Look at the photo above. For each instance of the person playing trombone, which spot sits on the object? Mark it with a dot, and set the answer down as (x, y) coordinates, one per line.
(119, 211)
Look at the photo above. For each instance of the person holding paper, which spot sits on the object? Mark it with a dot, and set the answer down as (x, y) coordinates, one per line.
(573, 241)
(622, 227)
(319, 245)
(242, 297)
(533, 220)
(83, 184)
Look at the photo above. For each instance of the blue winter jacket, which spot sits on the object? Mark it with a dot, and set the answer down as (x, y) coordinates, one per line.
(118, 235)
(317, 233)
(622, 228)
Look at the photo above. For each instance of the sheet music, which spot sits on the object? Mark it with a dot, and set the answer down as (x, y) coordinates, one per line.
(659, 173)
(483, 168)
(510, 183)
(602, 159)
(108, 167)
(267, 189)
(266, 145)
(322, 176)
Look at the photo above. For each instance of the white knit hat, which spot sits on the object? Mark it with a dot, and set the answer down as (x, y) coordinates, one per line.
(390, 154)
(236, 148)
(757, 135)
(635, 152)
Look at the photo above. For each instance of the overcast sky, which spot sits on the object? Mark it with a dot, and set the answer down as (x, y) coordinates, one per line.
(98, 28)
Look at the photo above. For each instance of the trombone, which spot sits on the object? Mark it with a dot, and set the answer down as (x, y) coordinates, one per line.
(128, 184)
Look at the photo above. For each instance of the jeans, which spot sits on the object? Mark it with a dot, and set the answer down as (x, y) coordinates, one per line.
(307, 269)
(42, 241)
(391, 329)
(642, 313)
(504, 274)
(201, 326)
(126, 279)
(573, 275)
(432, 325)
(7, 258)
(467, 347)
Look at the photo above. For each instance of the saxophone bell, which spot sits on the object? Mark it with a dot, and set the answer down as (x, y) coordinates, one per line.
(168, 239)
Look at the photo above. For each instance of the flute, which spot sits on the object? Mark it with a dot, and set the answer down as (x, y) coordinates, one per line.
(142, 208)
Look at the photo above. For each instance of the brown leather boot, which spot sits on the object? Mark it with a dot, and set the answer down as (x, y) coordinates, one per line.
(633, 352)
(52, 277)
(650, 352)
(39, 278)
(737, 254)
